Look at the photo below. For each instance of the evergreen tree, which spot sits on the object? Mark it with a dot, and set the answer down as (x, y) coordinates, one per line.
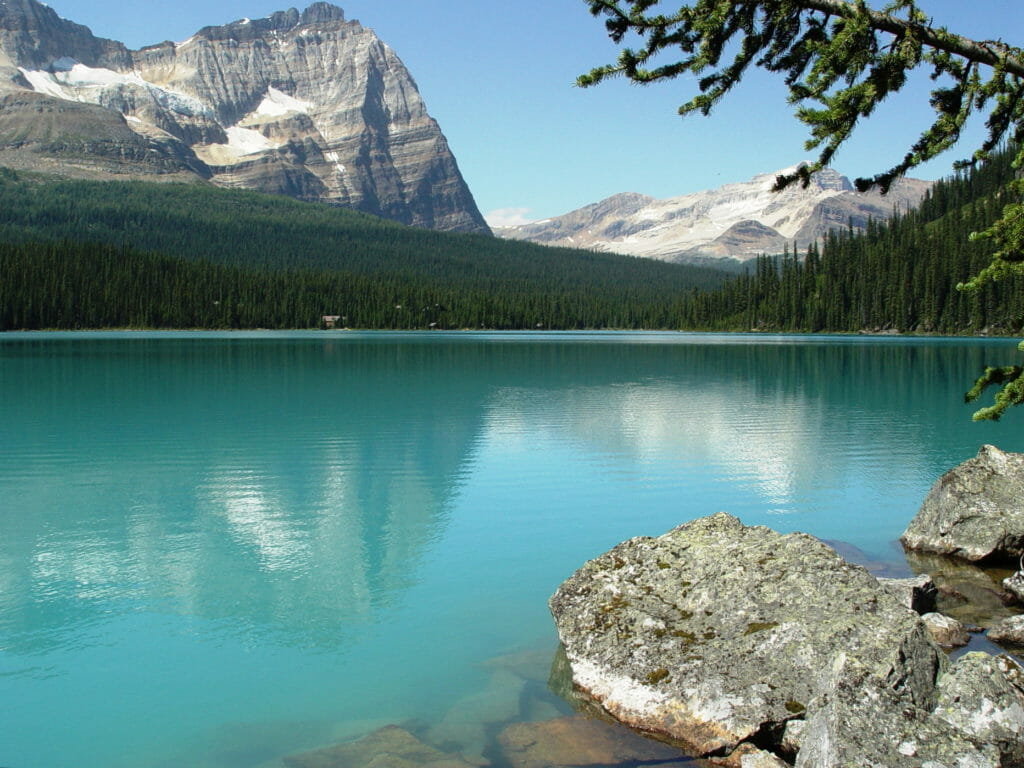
(840, 59)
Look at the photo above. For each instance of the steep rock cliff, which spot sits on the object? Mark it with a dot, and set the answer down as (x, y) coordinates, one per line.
(306, 104)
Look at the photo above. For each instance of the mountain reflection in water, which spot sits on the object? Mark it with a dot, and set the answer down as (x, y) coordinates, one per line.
(277, 533)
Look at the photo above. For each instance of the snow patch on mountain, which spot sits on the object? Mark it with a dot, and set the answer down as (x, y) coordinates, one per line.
(336, 159)
(247, 141)
(737, 221)
(278, 104)
(72, 81)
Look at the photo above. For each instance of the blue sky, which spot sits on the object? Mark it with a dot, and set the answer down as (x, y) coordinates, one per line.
(499, 78)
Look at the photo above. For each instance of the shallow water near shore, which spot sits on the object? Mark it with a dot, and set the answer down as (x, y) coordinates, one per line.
(217, 550)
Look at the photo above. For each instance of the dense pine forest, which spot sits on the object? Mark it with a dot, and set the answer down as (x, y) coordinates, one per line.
(69, 285)
(897, 276)
(76, 254)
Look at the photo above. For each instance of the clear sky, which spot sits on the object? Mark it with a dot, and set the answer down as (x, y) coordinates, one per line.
(499, 78)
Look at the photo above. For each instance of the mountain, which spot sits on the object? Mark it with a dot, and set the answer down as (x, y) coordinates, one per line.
(308, 105)
(733, 222)
(897, 276)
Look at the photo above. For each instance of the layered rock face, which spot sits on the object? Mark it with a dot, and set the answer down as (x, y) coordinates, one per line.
(32, 35)
(304, 104)
(734, 222)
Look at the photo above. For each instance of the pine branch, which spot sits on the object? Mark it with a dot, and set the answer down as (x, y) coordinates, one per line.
(992, 53)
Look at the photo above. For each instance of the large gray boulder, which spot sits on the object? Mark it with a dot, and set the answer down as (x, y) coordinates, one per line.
(975, 511)
(859, 720)
(715, 633)
(983, 696)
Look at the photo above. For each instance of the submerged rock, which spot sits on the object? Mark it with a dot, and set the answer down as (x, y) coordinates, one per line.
(532, 665)
(389, 747)
(975, 511)
(969, 593)
(465, 727)
(946, 631)
(715, 633)
(581, 741)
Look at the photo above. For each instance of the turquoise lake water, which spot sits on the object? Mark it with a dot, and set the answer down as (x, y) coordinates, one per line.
(220, 549)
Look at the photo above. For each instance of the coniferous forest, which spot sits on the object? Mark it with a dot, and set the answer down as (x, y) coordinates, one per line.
(76, 254)
(79, 254)
(900, 275)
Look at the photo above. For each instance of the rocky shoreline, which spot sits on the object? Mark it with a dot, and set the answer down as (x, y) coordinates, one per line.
(720, 644)
(751, 648)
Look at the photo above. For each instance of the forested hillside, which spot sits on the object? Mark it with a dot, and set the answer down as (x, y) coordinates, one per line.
(897, 276)
(108, 254)
(99, 255)
(66, 285)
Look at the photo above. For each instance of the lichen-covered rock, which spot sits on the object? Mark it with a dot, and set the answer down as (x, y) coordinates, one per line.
(917, 593)
(974, 511)
(983, 696)
(1015, 584)
(858, 720)
(762, 759)
(580, 741)
(945, 630)
(716, 631)
(1009, 631)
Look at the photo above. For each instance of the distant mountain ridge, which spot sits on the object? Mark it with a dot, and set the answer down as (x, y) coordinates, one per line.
(734, 222)
(305, 104)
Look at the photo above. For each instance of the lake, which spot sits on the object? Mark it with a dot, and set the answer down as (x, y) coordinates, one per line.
(220, 549)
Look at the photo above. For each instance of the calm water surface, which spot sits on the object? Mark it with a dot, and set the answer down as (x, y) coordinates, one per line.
(219, 549)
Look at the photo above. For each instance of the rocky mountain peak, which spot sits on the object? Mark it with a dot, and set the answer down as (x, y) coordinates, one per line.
(27, 14)
(831, 179)
(32, 33)
(302, 103)
(827, 179)
(278, 23)
(622, 202)
(737, 221)
(318, 13)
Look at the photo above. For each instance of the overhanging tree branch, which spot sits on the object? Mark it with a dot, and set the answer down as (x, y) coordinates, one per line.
(992, 53)
(840, 59)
